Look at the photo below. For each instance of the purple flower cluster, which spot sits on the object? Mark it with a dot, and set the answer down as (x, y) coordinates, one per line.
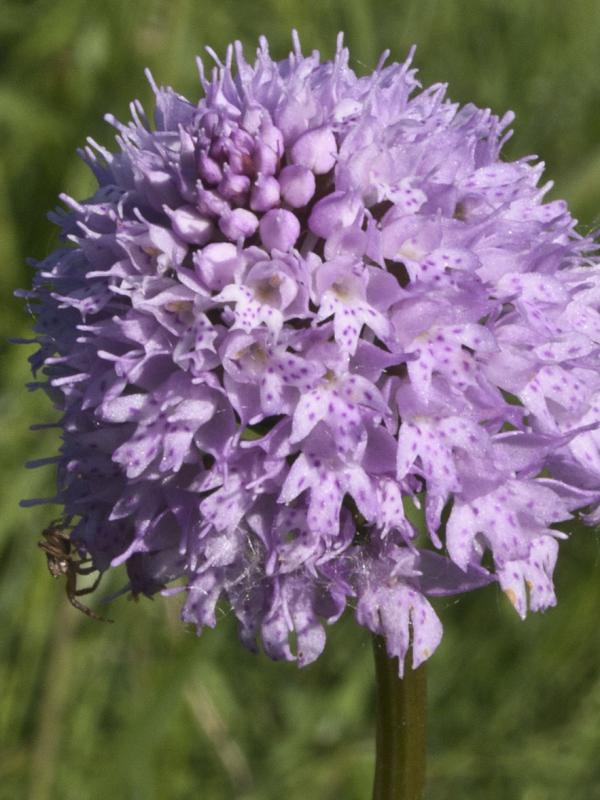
(295, 317)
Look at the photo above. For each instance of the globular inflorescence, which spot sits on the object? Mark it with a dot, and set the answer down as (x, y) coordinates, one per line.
(297, 317)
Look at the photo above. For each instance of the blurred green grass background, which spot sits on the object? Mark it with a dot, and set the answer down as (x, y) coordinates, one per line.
(142, 708)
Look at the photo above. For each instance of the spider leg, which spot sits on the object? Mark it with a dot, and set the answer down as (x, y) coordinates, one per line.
(85, 570)
(79, 592)
(72, 595)
(87, 611)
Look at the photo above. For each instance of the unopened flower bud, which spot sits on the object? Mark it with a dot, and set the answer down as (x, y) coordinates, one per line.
(337, 210)
(191, 226)
(211, 204)
(252, 119)
(216, 264)
(234, 187)
(297, 185)
(268, 149)
(238, 224)
(316, 149)
(279, 229)
(208, 169)
(265, 193)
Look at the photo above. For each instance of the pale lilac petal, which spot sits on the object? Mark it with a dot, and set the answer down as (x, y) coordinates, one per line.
(403, 616)
(528, 582)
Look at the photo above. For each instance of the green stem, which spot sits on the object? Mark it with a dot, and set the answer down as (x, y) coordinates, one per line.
(400, 742)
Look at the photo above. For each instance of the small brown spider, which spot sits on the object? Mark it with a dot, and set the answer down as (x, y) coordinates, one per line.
(62, 560)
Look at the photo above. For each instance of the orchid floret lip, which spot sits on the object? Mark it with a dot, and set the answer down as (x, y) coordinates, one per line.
(315, 346)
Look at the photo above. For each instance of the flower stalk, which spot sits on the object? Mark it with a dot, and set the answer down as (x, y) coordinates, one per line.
(401, 732)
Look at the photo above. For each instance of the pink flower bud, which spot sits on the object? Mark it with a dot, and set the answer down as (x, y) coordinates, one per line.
(279, 229)
(337, 210)
(208, 169)
(238, 224)
(252, 119)
(191, 226)
(297, 185)
(210, 204)
(316, 149)
(234, 187)
(268, 150)
(216, 264)
(265, 193)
